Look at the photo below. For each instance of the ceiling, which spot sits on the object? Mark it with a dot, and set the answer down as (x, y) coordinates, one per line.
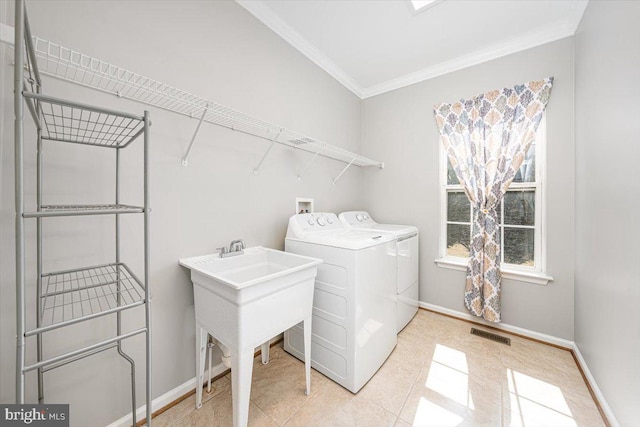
(375, 46)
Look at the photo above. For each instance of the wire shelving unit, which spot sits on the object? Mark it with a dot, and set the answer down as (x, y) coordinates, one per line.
(76, 295)
(72, 66)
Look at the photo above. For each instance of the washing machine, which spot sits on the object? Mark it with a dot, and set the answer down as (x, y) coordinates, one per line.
(354, 303)
(407, 253)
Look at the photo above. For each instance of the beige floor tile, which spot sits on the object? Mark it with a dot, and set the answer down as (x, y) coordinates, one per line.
(401, 423)
(187, 406)
(550, 367)
(426, 407)
(278, 388)
(544, 382)
(337, 407)
(438, 375)
(218, 412)
(585, 414)
(446, 393)
(391, 385)
(551, 410)
(544, 386)
(425, 325)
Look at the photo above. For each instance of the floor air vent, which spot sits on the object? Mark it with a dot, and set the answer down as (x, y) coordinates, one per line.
(490, 336)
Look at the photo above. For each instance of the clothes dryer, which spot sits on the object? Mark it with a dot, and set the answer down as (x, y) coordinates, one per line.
(407, 253)
(354, 304)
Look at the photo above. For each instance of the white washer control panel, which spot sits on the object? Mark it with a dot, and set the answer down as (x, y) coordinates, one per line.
(357, 218)
(316, 221)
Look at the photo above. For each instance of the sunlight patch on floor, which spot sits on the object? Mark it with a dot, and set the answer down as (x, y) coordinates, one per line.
(429, 414)
(449, 375)
(536, 403)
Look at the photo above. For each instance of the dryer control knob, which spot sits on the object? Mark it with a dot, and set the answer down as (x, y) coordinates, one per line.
(311, 222)
(359, 217)
(329, 220)
(321, 222)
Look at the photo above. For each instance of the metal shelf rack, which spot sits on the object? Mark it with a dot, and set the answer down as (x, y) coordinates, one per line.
(78, 295)
(72, 296)
(76, 210)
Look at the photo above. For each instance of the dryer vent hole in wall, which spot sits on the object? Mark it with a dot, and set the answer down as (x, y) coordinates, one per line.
(490, 336)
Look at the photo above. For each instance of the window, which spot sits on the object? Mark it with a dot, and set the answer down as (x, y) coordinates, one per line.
(520, 217)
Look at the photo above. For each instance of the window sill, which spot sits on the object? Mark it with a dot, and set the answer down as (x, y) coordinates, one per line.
(534, 277)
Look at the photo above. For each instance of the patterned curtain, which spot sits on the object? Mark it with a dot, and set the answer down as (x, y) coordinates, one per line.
(487, 138)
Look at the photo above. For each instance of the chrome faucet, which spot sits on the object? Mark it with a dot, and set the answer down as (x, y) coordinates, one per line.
(233, 246)
(236, 247)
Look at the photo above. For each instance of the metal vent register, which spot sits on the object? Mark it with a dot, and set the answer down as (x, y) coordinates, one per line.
(491, 336)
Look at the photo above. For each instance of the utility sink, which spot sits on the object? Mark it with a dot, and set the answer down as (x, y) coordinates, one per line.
(245, 300)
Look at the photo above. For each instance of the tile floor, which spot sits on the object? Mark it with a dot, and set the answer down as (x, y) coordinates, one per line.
(438, 375)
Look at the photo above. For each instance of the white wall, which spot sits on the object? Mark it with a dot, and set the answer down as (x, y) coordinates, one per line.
(607, 289)
(399, 128)
(216, 50)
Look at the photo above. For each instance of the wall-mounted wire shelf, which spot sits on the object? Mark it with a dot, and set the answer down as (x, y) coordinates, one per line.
(77, 123)
(75, 295)
(69, 65)
(77, 210)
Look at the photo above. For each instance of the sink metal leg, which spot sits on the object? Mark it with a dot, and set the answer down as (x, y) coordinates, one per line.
(264, 350)
(241, 370)
(307, 353)
(201, 353)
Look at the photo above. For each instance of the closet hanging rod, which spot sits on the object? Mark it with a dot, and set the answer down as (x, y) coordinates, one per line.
(66, 64)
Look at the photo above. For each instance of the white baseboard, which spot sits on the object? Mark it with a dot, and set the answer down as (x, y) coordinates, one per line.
(594, 386)
(162, 401)
(569, 345)
(508, 328)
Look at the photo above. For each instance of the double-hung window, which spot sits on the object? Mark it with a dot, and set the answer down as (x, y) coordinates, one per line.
(520, 216)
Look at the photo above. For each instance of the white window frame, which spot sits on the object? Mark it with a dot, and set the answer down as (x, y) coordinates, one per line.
(537, 273)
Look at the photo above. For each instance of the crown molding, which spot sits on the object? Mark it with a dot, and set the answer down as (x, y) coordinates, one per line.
(575, 15)
(278, 26)
(527, 41)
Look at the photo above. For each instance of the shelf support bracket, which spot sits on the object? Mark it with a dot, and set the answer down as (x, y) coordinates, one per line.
(343, 171)
(185, 159)
(266, 153)
(307, 166)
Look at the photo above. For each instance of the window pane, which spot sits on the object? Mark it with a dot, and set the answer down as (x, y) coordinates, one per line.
(519, 207)
(518, 246)
(458, 239)
(451, 175)
(527, 171)
(458, 207)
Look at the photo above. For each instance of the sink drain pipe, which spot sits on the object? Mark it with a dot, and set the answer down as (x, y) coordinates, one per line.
(226, 357)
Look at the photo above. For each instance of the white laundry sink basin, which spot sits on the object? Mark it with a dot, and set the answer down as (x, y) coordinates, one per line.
(245, 300)
(256, 266)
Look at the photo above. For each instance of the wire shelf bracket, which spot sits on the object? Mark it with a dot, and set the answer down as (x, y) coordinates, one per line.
(72, 66)
(266, 153)
(343, 171)
(307, 166)
(185, 159)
